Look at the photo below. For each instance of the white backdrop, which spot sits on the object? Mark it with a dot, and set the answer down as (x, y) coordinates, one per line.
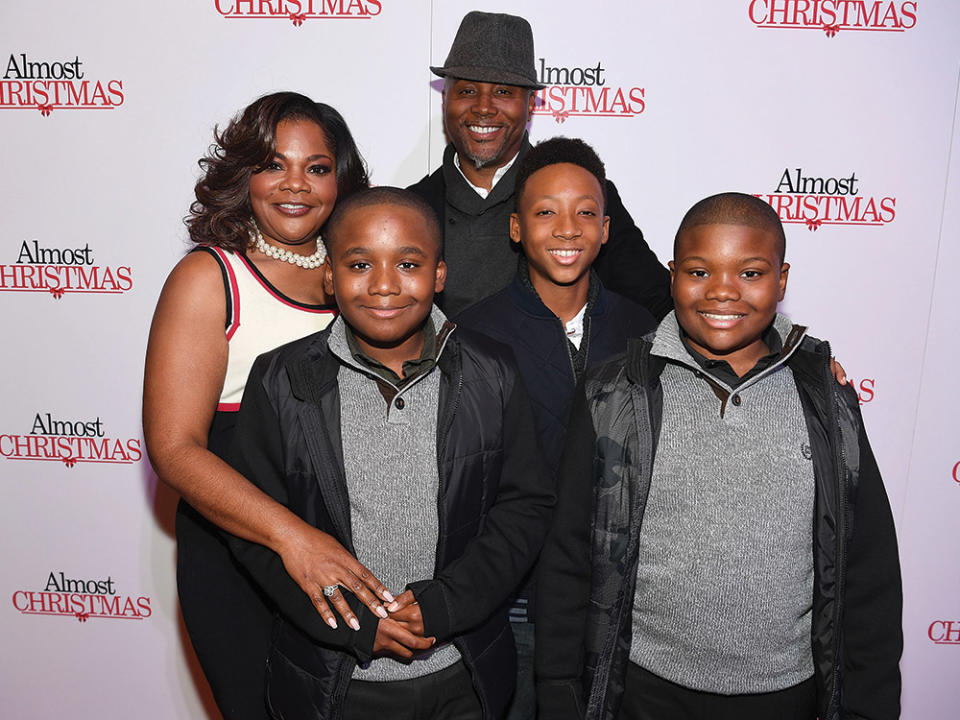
(104, 112)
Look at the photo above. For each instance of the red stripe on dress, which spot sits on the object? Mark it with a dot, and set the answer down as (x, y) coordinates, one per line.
(228, 407)
(234, 295)
(286, 301)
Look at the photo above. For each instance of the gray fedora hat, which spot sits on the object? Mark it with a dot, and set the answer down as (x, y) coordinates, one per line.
(492, 47)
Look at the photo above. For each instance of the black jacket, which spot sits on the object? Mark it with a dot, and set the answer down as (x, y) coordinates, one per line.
(626, 264)
(494, 507)
(587, 579)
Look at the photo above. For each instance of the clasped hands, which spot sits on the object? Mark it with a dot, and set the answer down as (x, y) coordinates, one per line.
(315, 560)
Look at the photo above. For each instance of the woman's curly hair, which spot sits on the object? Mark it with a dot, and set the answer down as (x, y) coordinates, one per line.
(221, 214)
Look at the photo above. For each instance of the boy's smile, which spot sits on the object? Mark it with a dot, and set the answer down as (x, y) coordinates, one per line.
(561, 225)
(384, 270)
(726, 282)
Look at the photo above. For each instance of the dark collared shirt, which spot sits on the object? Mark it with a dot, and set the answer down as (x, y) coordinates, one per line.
(721, 369)
(387, 380)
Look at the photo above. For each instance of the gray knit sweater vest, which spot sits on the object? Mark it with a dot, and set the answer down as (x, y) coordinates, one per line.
(725, 579)
(390, 459)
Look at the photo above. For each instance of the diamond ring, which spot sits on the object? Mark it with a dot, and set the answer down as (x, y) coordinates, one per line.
(329, 590)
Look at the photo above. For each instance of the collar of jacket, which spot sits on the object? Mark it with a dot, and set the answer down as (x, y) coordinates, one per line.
(314, 372)
(525, 296)
(464, 198)
(665, 344)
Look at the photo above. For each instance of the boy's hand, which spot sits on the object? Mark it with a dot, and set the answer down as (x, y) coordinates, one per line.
(395, 639)
(406, 611)
(315, 560)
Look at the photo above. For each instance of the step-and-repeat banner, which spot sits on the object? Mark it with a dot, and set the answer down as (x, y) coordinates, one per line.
(842, 114)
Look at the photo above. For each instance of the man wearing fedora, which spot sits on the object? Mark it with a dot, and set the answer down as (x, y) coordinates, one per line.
(488, 97)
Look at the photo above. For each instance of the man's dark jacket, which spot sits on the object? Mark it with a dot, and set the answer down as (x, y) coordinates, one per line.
(587, 579)
(626, 264)
(494, 504)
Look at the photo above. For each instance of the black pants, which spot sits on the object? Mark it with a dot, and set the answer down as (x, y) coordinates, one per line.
(444, 695)
(648, 697)
(228, 619)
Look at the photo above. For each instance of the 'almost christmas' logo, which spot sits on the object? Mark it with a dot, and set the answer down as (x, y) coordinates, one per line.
(61, 270)
(833, 16)
(46, 84)
(298, 11)
(584, 92)
(815, 201)
(70, 442)
(82, 599)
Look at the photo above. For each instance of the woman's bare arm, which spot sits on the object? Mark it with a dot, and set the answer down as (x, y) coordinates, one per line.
(185, 369)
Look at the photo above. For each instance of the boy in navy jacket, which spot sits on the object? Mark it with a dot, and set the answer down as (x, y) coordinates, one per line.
(556, 315)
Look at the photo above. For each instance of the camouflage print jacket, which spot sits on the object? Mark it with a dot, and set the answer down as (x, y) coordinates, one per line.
(588, 568)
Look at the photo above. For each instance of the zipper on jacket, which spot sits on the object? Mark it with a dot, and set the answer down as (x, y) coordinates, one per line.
(586, 349)
(344, 673)
(566, 346)
(840, 464)
(442, 447)
(473, 675)
(447, 421)
(598, 695)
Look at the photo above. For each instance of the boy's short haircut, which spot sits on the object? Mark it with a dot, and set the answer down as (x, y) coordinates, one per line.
(383, 195)
(561, 150)
(733, 208)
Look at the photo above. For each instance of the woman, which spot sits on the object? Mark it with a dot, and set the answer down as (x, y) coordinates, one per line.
(253, 282)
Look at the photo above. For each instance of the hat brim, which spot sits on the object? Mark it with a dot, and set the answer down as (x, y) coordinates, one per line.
(484, 74)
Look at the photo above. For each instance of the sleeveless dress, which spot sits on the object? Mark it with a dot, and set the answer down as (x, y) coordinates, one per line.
(227, 617)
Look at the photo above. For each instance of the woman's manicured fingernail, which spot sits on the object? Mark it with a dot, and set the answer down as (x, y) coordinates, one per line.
(388, 596)
(394, 606)
(332, 623)
(380, 611)
(354, 623)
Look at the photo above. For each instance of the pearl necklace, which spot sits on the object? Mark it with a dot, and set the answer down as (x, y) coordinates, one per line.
(308, 262)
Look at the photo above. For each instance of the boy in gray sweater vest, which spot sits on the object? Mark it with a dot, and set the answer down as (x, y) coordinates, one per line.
(412, 442)
(723, 546)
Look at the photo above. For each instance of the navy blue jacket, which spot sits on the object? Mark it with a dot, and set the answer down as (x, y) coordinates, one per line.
(517, 317)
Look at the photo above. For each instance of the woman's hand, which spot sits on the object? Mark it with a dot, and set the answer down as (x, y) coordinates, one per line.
(839, 374)
(316, 560)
